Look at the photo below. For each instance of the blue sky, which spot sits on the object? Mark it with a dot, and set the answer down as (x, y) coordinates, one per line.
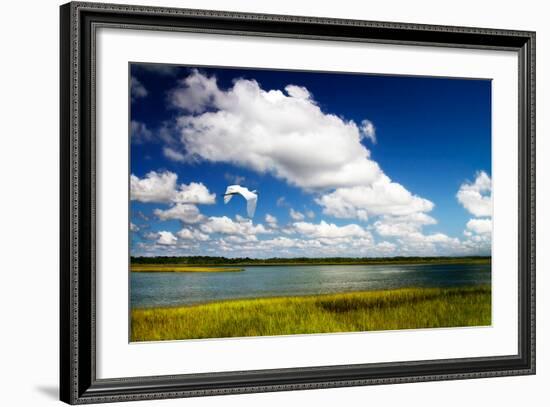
(344, 164)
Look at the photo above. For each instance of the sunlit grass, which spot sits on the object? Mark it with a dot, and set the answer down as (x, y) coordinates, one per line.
(406, 308)
(176, 268)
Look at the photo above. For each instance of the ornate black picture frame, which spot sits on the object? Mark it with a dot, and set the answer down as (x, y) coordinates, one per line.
(78, 381)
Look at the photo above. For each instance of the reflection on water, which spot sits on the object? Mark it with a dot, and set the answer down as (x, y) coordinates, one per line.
(166, 289)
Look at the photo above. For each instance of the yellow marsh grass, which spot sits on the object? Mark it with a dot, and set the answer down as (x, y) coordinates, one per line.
(406, 308)
(180, 269)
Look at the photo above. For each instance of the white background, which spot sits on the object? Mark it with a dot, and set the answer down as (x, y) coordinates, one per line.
(29, 184)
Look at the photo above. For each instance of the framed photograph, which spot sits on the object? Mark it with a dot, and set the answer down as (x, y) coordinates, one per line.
(255, 203)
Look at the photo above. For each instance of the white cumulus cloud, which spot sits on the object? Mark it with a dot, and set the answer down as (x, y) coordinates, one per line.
(420, 244)
(476, 197)
(296, 215)
(186, 213)
(194, 193)
(368, 130)
(329, 230)
(162, 188)
(225, 225)
(284, 133)
(402, 225)
(192, 234)
(383, 197)
(386, 247)
(271, 220)
(155, 187)
(166, 238)
(480, 226)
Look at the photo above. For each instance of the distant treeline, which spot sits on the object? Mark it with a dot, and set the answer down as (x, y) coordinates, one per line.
(209, 260)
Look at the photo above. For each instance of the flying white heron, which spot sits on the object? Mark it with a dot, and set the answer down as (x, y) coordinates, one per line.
(250, 196)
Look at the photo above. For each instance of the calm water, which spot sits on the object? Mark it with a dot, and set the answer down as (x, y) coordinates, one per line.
(165, 289)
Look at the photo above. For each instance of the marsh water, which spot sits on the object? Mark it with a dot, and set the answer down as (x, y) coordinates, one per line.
(169, 289)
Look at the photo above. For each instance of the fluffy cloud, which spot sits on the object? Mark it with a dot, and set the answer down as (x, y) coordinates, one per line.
(383, 197)
(137, 90)
(239, 240)
(480, 226)
(329, 230)
(192, 234)
(402, 225)
(298, 92)
(476, 197)
(166, 238)
(271, 220)
(283, 242)
(386, 247)
(368, 130)
(477, 243)
(225, 225)
(196, 93)
(186, 213)
(133, 227)
(419, 244)
(295, 215)
(284, 133)
(163, 188)
(155, 187)
(303, 245)
(433, 238)
(194, 193)
(172, 154)
(139, 133)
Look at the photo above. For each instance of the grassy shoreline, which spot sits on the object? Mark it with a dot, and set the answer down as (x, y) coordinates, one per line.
(406, 308)
(178, 268)
(205, 261)
(137, 266)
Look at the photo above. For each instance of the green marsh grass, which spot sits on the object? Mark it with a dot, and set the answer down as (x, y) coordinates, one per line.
(178, 268)
(406, 308)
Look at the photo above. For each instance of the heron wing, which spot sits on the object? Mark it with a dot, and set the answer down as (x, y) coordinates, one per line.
(246, 193)
(251, 205)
